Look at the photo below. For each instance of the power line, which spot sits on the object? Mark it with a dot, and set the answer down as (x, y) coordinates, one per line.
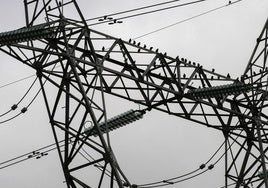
(15, 106)
(43, 151)
(29, 155)
(188, 19)
(184, 175)
(132, 10)
(16, 81)
(210, 167)
(23, 110)
(148, 12)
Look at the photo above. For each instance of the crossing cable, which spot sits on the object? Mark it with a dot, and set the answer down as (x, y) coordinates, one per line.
(23, 110)
(193, 175)
(210, 167)
(171, 180)
(132, 10)
(148, 12)
(45, 150)
(29, 155)
(188, 19)
(14, 107)
(16, 81)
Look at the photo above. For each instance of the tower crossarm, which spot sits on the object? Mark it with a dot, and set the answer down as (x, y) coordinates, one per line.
(137, 73)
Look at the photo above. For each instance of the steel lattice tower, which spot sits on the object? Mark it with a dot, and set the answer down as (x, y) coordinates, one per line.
(76, 65)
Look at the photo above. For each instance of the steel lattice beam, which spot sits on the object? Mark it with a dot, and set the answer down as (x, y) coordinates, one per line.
(80, 62)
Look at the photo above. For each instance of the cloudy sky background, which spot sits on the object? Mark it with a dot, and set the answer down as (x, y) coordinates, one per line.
(159, 146)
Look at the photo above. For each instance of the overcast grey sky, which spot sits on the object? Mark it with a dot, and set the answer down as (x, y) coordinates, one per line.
(159, 146)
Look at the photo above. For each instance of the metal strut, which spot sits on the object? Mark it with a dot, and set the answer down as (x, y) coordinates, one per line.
(80, 63)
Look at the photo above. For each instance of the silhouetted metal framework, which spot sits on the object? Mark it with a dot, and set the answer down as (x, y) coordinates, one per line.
(77, 65)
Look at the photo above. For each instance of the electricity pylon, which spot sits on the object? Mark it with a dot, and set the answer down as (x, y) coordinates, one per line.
(77, 65)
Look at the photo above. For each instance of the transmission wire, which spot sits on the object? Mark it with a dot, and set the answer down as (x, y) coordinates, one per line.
(132, 10)
(26, 108)
(15, 105)
(23, 109)
(169, 181)
(28, 154)
(188, 19)
(107, 172)
(16, 81)
(148, 12)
